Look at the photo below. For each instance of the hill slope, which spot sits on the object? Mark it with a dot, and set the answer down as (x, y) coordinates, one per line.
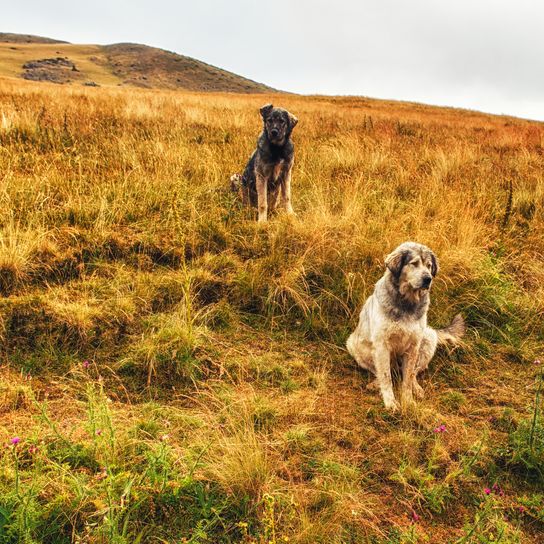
(10, 37)
(151, 67)
(43, 59)
(173, 372)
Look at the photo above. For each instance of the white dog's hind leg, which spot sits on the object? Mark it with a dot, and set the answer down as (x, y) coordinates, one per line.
(363, 355)
(361, 352)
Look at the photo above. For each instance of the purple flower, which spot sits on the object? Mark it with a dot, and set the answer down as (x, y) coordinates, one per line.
(15, 440)
(497, 490)
(98, 432)
(33, 449)
(86, 364)
(414, 517)
(440, 429)
(487, 491)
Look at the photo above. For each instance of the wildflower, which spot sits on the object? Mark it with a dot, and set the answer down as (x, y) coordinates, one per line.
(522, 509)
(15, 440)
(98, 432)
(33, 449)
(440, 429)
(487, 491)
(414, 517)
(497, 490)
(537, 362)
(86, 364)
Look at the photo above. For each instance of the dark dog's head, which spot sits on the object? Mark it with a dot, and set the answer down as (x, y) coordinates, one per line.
(413, 267)
(278, 124)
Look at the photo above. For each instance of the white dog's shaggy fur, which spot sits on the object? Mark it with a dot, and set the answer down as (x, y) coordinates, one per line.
(393, 323)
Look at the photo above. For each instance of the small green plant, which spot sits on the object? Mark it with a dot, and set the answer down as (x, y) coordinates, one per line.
(454, 400)
(427, 483)
(410, 535)
(490, 526)
(169, 341)
(531, 506)
(527, 440)
(424, 487)
(264, 414)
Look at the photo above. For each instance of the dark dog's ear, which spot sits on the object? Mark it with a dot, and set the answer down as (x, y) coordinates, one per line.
(395, 261)
(265, 110)
(435, 267)
(292, 121)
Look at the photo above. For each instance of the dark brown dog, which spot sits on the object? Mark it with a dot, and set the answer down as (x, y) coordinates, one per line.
(268, 171)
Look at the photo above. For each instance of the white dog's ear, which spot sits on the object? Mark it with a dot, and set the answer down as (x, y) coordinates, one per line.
(265, 110)
(395, 261)
(435, 266)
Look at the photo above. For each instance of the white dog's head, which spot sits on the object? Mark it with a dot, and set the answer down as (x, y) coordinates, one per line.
(413, 267)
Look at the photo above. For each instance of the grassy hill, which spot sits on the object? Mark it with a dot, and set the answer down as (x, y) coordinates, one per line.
(26, 38)
(118, 64)
(173, 372)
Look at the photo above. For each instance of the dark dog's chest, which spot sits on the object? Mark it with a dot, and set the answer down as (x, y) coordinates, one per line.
(275, 173)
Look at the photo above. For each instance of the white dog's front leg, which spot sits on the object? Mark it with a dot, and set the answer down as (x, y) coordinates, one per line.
(409, 382)
(382, 362)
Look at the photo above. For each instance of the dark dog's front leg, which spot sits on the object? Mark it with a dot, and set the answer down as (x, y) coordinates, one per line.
(262, 197)
(286, 190)
(273, 199)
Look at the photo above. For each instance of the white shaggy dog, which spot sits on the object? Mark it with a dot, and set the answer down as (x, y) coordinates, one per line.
(393, 323)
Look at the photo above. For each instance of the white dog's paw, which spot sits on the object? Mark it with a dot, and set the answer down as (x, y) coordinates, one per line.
(373, 386)
(407, 397)
(418, 391)
(391, 404)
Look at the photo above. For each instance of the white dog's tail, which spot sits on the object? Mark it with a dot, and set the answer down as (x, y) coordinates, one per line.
(453, 332)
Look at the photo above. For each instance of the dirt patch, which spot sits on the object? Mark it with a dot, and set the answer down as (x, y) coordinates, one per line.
(55, 70)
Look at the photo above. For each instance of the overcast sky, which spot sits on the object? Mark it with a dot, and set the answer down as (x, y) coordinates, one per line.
(480, 54)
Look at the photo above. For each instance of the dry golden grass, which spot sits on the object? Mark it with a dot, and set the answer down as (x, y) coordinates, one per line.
(217, 403)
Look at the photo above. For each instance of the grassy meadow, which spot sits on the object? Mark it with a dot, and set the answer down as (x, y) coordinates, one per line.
(172, 372)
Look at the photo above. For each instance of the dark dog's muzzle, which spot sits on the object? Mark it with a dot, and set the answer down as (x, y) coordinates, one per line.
(274, 133)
